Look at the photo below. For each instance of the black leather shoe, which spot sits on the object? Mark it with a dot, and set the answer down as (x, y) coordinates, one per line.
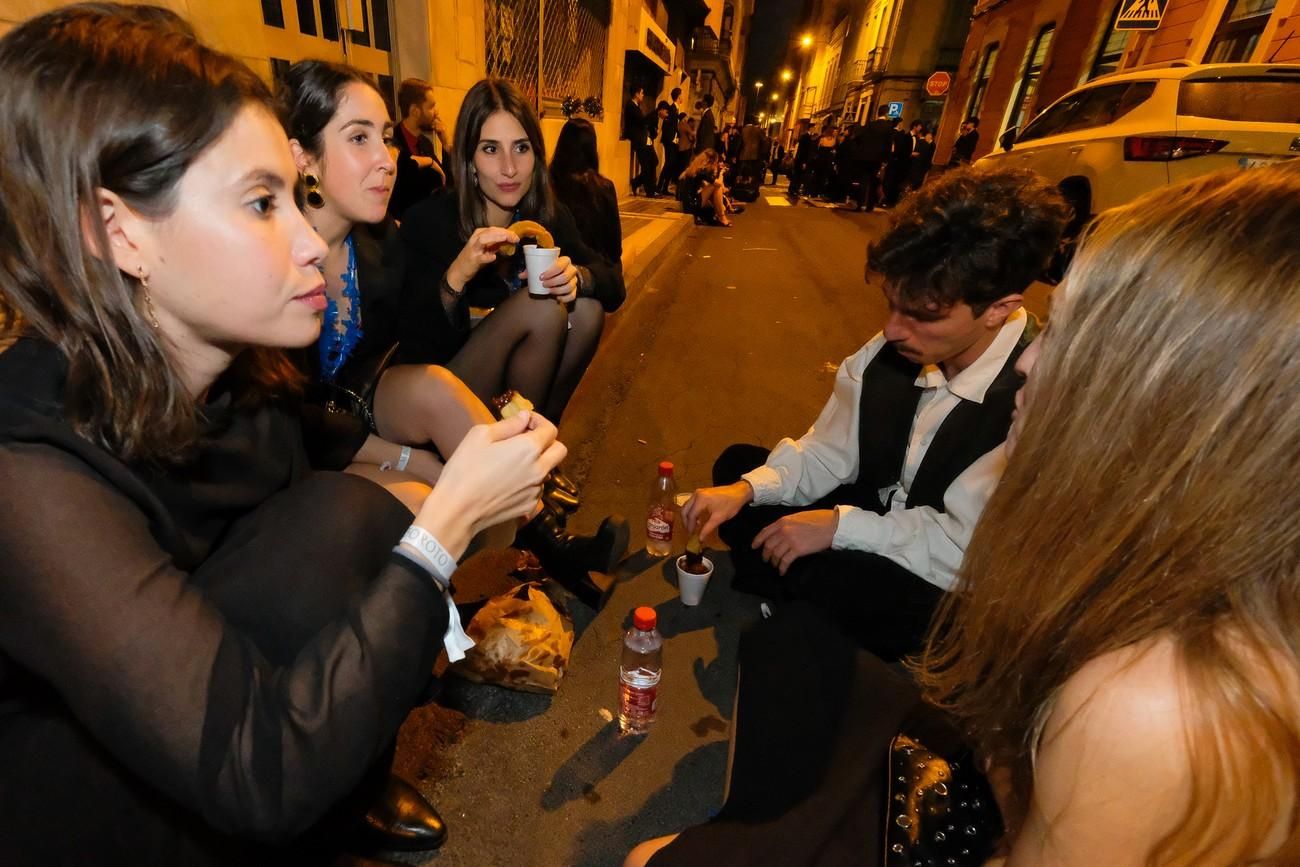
(568, 558)
(402, 820)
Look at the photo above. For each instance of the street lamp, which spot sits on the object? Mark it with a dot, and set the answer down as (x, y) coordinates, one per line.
(786, 75)
(758, 86)
(806, 41)
(775, 97)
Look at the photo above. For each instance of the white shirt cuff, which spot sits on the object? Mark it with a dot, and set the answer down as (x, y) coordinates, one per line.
(858, 530)
(766, 483)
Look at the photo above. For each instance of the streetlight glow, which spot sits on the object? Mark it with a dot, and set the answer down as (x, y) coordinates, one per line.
(775, 97)
(806, 41)
(786, 75)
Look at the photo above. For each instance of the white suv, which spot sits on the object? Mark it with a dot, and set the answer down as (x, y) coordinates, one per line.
(1123, 135)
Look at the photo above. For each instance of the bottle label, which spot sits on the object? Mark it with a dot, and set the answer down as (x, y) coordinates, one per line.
(638, 702)
(659, 524)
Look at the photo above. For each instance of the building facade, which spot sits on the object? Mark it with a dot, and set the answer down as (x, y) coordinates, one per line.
(715, 57)
(861, 55)
(1022, 55)
(557, 51)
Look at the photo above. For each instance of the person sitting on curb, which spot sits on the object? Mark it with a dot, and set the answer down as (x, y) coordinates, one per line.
(856, 507)
(702, 190)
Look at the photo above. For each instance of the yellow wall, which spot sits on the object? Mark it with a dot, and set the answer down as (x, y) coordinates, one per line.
(235, 26)
(441, 41)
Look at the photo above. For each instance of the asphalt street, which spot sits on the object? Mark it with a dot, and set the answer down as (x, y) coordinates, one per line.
(734, 337)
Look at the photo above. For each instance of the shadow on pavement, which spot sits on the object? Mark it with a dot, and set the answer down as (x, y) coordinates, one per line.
(605, 844)
(483, 701)
(725, 612)
(594, 760)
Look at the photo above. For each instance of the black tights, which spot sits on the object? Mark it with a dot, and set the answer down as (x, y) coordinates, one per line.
(533, 346)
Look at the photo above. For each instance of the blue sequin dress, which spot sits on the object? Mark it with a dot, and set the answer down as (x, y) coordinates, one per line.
(339, 338)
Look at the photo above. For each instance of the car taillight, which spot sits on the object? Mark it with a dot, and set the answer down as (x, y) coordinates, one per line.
(1163, 148)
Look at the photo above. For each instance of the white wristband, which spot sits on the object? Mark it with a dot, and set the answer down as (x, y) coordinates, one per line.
(442, 565)
(436, 557)
(402, 460)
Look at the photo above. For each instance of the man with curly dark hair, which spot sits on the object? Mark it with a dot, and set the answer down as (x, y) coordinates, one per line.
(869, 512)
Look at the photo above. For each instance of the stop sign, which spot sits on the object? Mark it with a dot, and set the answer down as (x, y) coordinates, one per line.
(938, 84)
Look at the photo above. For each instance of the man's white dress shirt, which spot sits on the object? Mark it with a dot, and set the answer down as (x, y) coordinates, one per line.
(924, 541)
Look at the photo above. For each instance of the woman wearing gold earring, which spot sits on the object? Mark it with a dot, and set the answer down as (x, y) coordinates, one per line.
(393, 417)
(311, 186)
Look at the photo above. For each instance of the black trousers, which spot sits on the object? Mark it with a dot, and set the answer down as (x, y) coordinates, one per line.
(883, 606)
(866, 175)
(648, 161)
(896, 172)
(672, 167)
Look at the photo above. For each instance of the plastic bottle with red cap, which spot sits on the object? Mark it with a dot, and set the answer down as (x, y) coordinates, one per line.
(663, 513)
(639, 673)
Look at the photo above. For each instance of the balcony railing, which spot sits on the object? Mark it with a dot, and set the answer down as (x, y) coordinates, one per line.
(866, 67)
(704, 40)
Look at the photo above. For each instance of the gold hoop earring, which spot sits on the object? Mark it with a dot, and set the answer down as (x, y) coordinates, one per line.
(148, 300)
(312, 183)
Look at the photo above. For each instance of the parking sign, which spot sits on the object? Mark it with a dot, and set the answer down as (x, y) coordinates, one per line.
(895, 109)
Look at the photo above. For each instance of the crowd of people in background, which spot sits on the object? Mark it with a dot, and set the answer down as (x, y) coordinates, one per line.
(871, 165)
(710, 166)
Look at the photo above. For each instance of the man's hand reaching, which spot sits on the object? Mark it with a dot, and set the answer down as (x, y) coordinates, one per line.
(709, 507)
(796, 536)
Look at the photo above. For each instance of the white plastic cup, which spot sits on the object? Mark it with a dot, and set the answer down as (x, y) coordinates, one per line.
(537, 261)
(690, 585)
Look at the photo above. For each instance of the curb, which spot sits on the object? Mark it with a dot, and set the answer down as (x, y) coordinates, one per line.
(642, 248)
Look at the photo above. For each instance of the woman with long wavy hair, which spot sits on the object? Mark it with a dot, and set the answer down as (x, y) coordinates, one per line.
(1124, 646)
(1121, 656)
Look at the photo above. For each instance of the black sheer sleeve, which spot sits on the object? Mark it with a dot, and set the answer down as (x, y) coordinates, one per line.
(152, 668)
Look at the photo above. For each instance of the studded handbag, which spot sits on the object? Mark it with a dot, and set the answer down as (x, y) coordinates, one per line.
(940, 810)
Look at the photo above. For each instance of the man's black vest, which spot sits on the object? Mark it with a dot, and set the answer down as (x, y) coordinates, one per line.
(887, 411)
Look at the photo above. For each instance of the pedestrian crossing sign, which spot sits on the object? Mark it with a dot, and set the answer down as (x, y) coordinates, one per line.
(1140, 14)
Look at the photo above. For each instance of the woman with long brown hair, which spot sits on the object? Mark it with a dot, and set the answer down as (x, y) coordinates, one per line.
(1121, 652)
(537, 345)
(539, 349)
(206, 650)
(1124, 646)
